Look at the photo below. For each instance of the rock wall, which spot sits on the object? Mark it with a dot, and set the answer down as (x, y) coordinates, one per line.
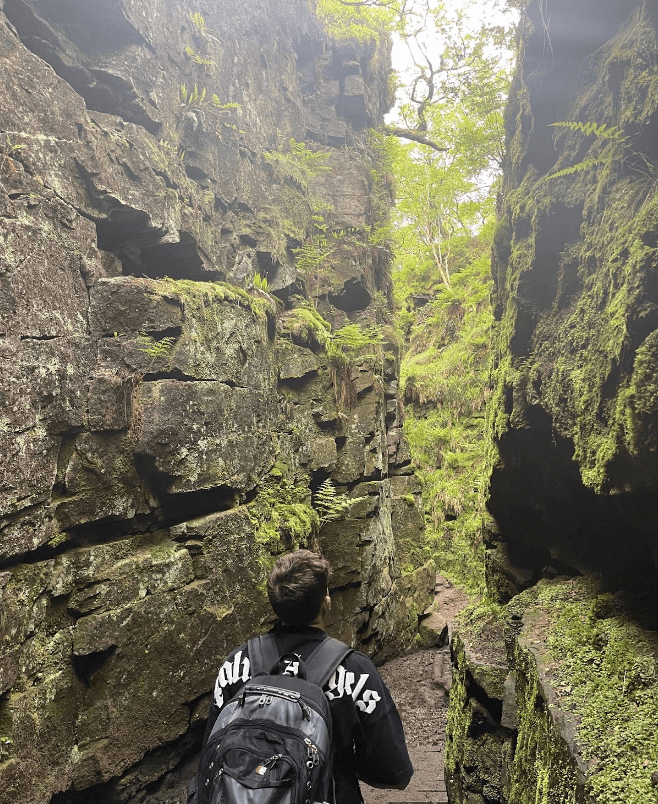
(167, 414)
(573, 421)
(575, 292)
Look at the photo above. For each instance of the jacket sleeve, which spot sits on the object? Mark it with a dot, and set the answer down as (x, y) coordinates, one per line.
(380, 749)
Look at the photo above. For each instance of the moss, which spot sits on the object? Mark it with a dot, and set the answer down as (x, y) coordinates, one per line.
(306, 327)
(585, 335)
(474, 743)
(199, 297)
(602, 669)
(283, 517)
(587, 692)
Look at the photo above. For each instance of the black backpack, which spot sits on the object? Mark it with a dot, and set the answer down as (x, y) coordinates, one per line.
(271, 743)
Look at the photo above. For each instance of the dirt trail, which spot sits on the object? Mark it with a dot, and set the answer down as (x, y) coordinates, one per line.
(419, 684)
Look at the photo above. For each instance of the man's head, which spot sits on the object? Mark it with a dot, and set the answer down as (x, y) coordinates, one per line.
(298, 586)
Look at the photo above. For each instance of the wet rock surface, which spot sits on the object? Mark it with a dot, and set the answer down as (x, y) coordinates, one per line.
(163, 434)
(575, 352)
(573, 486)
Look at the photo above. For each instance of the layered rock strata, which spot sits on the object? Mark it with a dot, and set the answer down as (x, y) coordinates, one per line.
(169, 406)
(573, 483)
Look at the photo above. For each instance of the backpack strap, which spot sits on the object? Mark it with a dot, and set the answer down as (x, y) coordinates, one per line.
(263, 654)
(320, 665)
(324, 660)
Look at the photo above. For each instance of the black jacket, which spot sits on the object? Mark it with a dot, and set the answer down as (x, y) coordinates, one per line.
(367, 732)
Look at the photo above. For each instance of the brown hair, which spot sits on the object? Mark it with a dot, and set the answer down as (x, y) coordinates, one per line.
(297, 586)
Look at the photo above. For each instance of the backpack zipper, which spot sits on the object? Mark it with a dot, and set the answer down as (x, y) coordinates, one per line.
(262, 769)
(267, 693)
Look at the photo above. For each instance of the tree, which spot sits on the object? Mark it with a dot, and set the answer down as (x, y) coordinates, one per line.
(444, 150)
(446, 53)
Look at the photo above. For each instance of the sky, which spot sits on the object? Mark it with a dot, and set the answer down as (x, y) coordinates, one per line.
(477, 12)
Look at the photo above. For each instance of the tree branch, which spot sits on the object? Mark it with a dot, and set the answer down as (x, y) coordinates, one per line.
(409, 134)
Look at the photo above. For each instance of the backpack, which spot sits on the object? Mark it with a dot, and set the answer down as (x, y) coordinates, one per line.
(272, 742)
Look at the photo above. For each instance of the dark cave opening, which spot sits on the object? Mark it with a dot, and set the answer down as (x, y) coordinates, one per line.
(173, 508)
(551, 524)
(141, 251)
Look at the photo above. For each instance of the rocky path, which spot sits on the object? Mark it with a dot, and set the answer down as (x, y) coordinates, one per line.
(420, 684)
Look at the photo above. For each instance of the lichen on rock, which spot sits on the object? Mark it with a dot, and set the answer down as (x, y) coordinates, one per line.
(169, 409)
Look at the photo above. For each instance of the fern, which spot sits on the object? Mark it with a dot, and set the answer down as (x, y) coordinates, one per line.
(601, 130)
(586, 164)
(297, 162)
(331, 505)
(155, 348)
(192, 97)
(223, 107)
(198, 59)
(342, 348)
(312, 255)
(198, 21)
(260, 282)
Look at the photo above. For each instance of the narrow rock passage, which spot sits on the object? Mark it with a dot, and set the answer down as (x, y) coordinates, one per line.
(423, 704)
(419, 684)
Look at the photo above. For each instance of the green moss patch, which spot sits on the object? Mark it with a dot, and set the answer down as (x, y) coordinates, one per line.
(602, 668)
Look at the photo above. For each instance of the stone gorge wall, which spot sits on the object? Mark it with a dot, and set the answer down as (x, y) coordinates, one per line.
(573, 415)
(575, 270)
(164, 421)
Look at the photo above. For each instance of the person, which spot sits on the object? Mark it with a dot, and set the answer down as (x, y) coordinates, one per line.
(368, 738)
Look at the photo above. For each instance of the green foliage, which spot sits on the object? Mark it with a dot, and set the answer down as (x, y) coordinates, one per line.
(306, 327)
(155, 348)
(192, 97)
(297, 163)
(481, 614)
(363, 21)
(198, 21)
(260, 282)
(331, 505)
(601, 130)
(443, 227)
(8, 152)
(283, 516)
(586, 164)
(351, 341)
(5, 747)
(604, 669)
(198, 59)
(204, 295)
(223, 107)
(312, 255)
(343, 348)
(445, 376)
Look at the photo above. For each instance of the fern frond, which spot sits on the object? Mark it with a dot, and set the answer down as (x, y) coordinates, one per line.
(260, 282)
(579, 167)
(198, 21)
(331, 505)
(601, 130)
(223, 107)
(155, 348)
(197, 59)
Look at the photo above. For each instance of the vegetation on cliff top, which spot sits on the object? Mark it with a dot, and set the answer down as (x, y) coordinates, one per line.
(443, 226)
